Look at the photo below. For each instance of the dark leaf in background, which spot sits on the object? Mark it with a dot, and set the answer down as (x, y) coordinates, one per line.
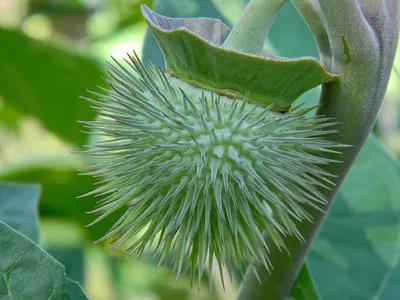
(72, 258)
(165, 292)
(356, 254)
(391, 287)
(43, 81)
(59, 197)
(290, 36)
(28, 272)
(9, 118)
(304, 288)
(19, 208)
(176, 9)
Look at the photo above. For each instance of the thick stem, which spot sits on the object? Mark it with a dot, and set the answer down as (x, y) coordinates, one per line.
(363, 39)
(277, 284)
(250, 32)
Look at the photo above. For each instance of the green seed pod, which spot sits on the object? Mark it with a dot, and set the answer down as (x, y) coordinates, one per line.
(209, 157)
(202, 175)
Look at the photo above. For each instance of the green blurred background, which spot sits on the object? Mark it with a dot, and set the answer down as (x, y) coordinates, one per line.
(51, 52)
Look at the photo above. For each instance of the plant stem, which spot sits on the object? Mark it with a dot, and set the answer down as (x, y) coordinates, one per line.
(310, 11)
(249, 34)
(363, 39)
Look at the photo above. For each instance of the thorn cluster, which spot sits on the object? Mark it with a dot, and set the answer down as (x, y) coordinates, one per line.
(202, 176)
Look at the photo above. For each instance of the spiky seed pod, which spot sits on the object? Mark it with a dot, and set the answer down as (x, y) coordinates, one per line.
(204, 176)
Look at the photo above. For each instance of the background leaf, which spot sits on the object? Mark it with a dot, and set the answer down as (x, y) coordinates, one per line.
(46, 82)
(358, 248)
(19, 208)
(176, 9)
(61, 188)
(290, 36)
(304, 288)
(72, 258)
(28, 272)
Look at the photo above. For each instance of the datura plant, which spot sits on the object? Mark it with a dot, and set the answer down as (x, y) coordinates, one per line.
(210, 160)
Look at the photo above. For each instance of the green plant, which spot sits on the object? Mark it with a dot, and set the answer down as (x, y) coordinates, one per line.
(201, 174)
(168, 148)
(227, 90)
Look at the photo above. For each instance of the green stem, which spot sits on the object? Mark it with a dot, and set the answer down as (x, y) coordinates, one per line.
(250, 32)
(277, 284)
(363, 39)
(311, 13)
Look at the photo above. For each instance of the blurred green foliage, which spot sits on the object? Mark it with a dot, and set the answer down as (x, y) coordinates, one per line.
(19, 208)
(359, 242)
(45, 82)
(304, 288)
(49, 58)
(28, 272)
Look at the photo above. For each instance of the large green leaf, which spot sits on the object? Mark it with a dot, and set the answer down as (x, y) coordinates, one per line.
(210, 66)
(28, 272)
(46, 82)
(9, 118)
(177, 9)
(72, 258)
(60, 188)
(390, 290)
(304, 288)
(18, 208)
(356, 254)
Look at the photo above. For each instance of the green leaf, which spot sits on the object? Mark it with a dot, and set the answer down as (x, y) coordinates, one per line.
(46, 82)
(60, 188)
(9, 118)
(28, 272)
(18, 208)
(298, 41)
(177, 9)
(72, 258)
(304, 288)
(390, 289)
(358, 248)
(290, 36)
(193, 52)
